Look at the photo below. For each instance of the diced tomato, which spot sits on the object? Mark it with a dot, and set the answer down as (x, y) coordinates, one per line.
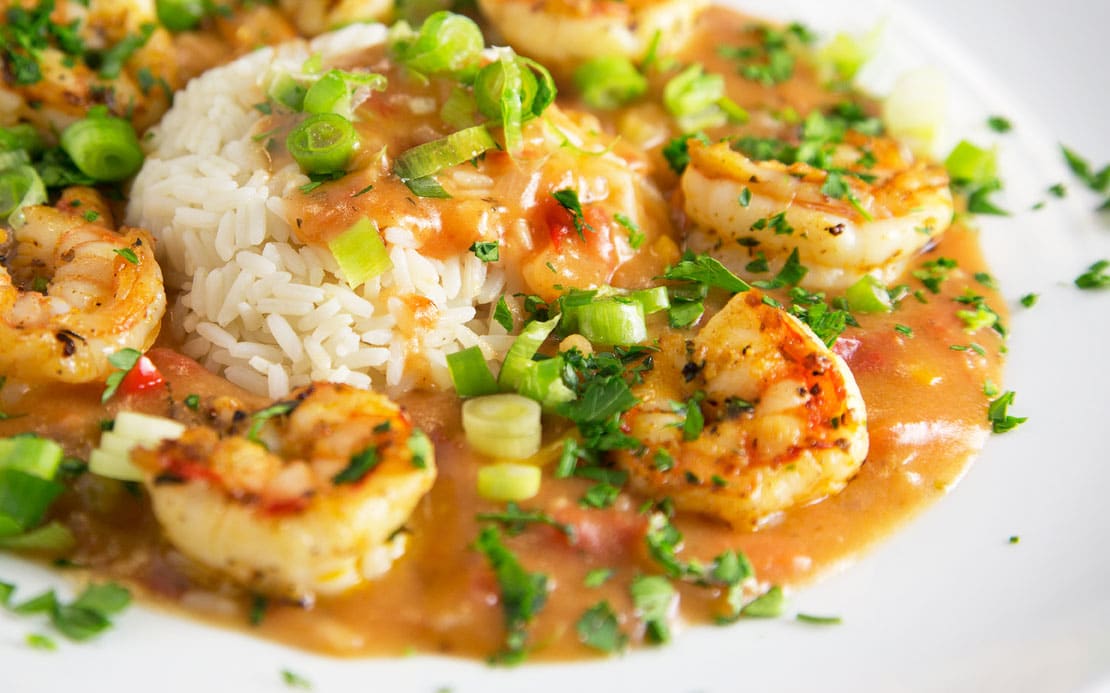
(560, 225)
(846, 347)
(144, 375)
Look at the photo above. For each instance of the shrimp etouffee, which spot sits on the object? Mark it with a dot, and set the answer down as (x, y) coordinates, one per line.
(530, 330)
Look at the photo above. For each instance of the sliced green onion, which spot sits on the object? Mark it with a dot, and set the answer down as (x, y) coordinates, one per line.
(432, 157)
(520, 354)
(506, 425)
(323, 143)
(20, 187)
(508, 481)
(13, 159)
(868, 295)
(360, 252)
(22, 137)
(692, 96)
(613, 322)
(427, 187)
(460, 108)
(543, 382)
(447, 42)
(31, 455)
(145, 427)
(609, 82)
(103, 147)
(112, 457)
(180, 15)
(971, 164)
(24, 498)
(845, 55)
(916, 109)
(470, 373)
(499, 80)
(53, 537)
(329, 94)
(652, 300)
(287, 91)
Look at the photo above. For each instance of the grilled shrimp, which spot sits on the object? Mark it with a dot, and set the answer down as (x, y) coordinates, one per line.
(891, 211)
(562, 34)
(66, 86)
(310, 504)
(314, 17)
(73, 292)
(784, 422)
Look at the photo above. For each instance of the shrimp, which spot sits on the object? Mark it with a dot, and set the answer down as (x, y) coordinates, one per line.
(101, 291)
(562, 34)
(891, 210)
(313, 503)
(784, 421)
(65, 85)
(314, 17)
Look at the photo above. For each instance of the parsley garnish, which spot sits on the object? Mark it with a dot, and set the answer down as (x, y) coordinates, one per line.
(636, 237)
(792, 272)
(597, 577)
(677, 151)
(1098, 182)
(361, 464)
(515, 519)
(745, 197)
(997, 415)
(127, 254)
(652, 596)
(420, 447)
(124, 360)
(568, 199)
(502, 315)
(294, 680)
(83, 618)
(523, 594)
(192, 402)
(486, 251)
(1095, 277)
(259, 419)
(772, 61)
(599, 496)
(259, 605)
(819, 620)
(1029, 300)
(934, 272)
(706, 270)
(598, 628)
(999, 124)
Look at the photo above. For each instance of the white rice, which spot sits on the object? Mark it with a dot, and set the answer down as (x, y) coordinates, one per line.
(254, 303)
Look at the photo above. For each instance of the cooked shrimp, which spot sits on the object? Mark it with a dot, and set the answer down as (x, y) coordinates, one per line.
(66, 86)
(101, 291)
(784, 420)
(310, 505)
(562, 34)
(313, 17)
(892, 210)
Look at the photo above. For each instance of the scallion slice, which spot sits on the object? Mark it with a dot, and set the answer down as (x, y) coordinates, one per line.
(609, 82)
(508, 481)
(24, 499)
(323, 143)
(180, 15)
(360, 252)
(543, 382)
(432, 157)
(446, 42)
(32, 455)
(652, 300)
(613, 322)
(505, 425)
(53, 537)
(287, 91)
(22, 137)
(103, 147)
(970, 163)
(520, 354)
(692, 96)
(868, 295)
(20, 187)
(329, 94)
(112, 457)
(470, 373)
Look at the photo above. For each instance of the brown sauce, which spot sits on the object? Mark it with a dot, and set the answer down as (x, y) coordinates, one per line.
(926, 418)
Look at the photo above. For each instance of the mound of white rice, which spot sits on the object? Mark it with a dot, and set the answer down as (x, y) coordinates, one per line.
(267, 311)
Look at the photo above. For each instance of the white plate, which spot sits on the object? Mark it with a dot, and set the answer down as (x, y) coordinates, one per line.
(946, 604)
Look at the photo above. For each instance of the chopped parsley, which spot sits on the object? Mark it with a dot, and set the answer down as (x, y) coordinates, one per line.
(515, 520)
(597, 577)
(600, 496)
(706, 270)
(259, 419)
(259, 605)
(486, 251)
(420, 447)
(82, 619)
(904, 330)
(999, 124)
(792, 272)
(745, 197)
(772, 60)
(652, 597)
(1095, 277)
(598, 628)
(775, 222)
(677, 150)
(568, 199)
(523, 594)
(127, 254)
(998, 416)
(39, 641)
(502, 315)
(123, 360)
(934, 272)
(294, 680)
(1029, 300)
(636, 237)
(1096, 181)
(192, 402)
(360, 464)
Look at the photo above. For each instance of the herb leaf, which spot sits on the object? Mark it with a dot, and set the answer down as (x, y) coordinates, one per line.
(523, 594)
